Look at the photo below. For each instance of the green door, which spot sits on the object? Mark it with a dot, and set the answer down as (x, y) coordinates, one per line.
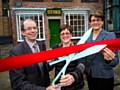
(54, 26)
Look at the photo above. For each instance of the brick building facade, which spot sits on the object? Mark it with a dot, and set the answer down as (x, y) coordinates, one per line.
(50, 14)
(5, 23)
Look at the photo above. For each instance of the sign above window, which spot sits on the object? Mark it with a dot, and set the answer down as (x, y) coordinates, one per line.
(54, 12)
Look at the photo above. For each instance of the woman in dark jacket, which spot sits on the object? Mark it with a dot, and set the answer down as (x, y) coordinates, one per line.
(101, 74)
(73, 79)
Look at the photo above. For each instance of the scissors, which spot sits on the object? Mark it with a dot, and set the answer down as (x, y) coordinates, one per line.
(89, 51)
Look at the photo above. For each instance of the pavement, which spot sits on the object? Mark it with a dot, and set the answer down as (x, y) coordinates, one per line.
(4, 81)
(4, 76)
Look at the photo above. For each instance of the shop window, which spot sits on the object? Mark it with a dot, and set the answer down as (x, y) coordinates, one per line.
(78, 23)
(39, 18)
(5, 7)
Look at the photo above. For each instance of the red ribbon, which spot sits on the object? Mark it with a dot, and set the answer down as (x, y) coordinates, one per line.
(29, 59)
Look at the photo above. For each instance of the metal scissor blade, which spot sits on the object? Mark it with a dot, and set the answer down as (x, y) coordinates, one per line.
(89, 51)
(85, 37)
(60, 59)
(86, 52)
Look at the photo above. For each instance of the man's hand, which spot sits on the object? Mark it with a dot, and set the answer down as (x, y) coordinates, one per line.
(51, 87)
(108, 54)
(66, 80)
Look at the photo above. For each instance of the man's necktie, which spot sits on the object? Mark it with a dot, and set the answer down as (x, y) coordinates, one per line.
(40, 65)
(35, 48)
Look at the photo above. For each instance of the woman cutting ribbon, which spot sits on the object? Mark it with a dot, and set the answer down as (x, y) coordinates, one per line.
(73, 77)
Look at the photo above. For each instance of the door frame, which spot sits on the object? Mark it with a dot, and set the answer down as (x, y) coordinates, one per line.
(51, 32)
(49, 18)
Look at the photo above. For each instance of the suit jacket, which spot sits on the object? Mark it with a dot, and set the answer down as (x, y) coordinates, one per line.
(99, 67)
(32, 77)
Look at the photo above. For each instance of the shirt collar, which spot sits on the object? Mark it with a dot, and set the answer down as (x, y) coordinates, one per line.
(30, 43)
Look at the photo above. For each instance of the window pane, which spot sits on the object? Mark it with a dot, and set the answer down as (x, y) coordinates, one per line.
(38, 19)
(66, 17)
(5, 7)
(71, 16)
(77, 22)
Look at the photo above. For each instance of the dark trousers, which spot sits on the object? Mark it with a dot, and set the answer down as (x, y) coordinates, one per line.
(100, 83)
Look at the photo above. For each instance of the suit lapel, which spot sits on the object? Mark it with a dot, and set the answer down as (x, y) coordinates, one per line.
(101, 36)
(27, 48)
(41, 46)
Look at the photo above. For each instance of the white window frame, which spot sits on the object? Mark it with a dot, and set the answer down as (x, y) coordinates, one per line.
(84, 12)
(32, 12)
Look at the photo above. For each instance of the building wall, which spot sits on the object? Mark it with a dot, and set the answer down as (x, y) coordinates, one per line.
(1, 26)
(5, 25)
(75, 3)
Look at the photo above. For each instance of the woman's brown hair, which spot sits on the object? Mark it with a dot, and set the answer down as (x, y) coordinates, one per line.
(65, 26)
(97, 14)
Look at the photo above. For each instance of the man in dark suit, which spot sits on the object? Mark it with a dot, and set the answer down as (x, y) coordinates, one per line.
(34, 77)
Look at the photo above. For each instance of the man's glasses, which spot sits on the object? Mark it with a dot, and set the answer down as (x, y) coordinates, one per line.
(30, 28)
(96, 20)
